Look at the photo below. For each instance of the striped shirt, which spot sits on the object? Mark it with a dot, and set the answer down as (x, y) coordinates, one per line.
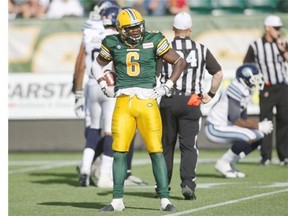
(198, 58)
(269, 60)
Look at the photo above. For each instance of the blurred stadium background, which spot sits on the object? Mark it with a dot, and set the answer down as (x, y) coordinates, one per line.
(42, 55)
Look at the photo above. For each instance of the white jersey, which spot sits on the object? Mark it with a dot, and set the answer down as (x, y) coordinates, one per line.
(99, 108)
(219, 114)
(219, 126)
(93, 34)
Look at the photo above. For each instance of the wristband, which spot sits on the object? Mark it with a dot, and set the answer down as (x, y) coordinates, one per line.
(211, 94)
(78, 94)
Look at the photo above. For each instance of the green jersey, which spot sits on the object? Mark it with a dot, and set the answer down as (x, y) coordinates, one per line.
(135, 67)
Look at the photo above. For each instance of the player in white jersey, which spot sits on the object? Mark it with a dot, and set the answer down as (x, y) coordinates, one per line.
(228, 122)
(98, 107)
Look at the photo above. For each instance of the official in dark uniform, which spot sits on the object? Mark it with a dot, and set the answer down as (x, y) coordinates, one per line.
(270, 53)
(180, 112)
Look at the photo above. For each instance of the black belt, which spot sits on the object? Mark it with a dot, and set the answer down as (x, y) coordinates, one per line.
(268, 84)
(179, 93)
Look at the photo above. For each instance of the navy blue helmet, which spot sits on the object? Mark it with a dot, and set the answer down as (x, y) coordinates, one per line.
(250, 76)
(103, 4)
(109, 15)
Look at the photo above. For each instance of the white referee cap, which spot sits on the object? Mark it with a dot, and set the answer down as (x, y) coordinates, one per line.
(273, 21)
(182, 21)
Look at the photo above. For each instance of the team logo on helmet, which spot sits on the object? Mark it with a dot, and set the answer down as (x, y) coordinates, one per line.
(109, 15)
(127, 20)
(249, 76)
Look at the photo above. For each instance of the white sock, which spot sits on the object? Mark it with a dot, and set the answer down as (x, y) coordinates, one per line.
(242, 155)
(230, 156)
(236, 158)
(118, 204)
(88, 155)
(106, 166)
(116, 201)
(164, 202)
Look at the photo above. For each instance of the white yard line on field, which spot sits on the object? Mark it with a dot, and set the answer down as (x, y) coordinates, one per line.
(228, 202)
(46, 164)
(201, 160)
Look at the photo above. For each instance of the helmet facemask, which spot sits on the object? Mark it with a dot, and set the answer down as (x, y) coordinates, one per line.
(252, 80)
(131, 26)
(249, 76)
(130, 39)
(257, 81)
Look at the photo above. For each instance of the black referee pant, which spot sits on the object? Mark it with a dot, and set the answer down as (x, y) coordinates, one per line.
(270, 97)
(183, 120)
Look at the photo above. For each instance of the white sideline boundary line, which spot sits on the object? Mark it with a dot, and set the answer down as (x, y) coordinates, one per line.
(46, 164)
(44, 167)
(228, 202)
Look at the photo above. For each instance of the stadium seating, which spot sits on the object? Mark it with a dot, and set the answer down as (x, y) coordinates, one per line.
(221, 7)
(200, 6)
(261, 6)
(248, 7)
(282, 6)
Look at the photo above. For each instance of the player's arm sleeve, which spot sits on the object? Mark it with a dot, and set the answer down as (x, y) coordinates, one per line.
(244, 114)
(105, 51)
(234, 110)
(238, 118)
(163, 46)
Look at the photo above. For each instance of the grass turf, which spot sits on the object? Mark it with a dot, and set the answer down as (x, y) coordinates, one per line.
(47, 184)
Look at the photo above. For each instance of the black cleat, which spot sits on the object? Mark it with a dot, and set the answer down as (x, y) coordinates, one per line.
(188, 193)
(284, 162)
(110, 208)
(107, 208)
(84, 180)
(265, 162)
(91, 181)
(169, 207)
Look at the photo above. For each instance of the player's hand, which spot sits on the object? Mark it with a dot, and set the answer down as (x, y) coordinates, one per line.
(205, 98)
(282, 45)
(266, 126)
(160, 91)
(109, 91)
(79, 105)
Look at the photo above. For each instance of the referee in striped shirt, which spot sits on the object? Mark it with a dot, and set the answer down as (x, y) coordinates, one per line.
(270, 53)
(180, 112)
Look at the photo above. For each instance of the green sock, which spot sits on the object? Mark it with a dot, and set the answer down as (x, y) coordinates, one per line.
(119, 173)
(160, 174)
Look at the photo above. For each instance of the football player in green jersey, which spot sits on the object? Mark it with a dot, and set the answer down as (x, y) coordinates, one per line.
(134, 52)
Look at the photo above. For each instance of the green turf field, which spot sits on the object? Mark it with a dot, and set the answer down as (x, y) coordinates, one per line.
(42, 184)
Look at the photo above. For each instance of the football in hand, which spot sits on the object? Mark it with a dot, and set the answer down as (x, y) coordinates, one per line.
(109, 76)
